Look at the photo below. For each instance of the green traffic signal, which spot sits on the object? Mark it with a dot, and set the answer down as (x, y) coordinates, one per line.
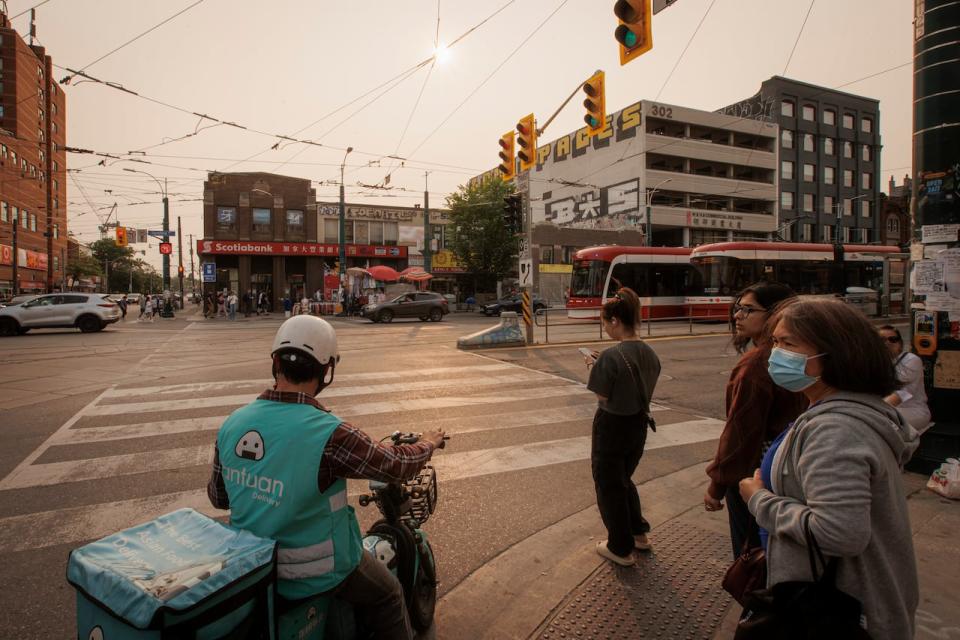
(626, 36)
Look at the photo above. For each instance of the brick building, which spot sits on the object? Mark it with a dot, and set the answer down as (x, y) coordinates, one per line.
(32, 167)
(895, 227)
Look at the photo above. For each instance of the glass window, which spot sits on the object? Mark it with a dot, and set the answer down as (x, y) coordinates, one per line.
(786, 170)
(828, 204)
(24, 218)
(295, 220)
(866, 181)
(361, 231)
(376, 233)
(808, 142)
(808, 202)
(786, 200)
(866, 208)
(847, 121)
(786, 137)
(866, 153)
(348, 232)
(226, 218)
(56, 263)
(3, 151)
(33, 222)
(261, 220)
(809, 172)
(829, 175)
(13, 158)
(807, 232)
(829, 117)
(331, 230)
(809, 112)
(828, 146)
(847, 178)
(786, 109)
(893, 224)
(4, 212)
(866, 125)
(827, 233)
(847, 206)
(865, 236)
(56, 231)
(391, 232)
(846, 234)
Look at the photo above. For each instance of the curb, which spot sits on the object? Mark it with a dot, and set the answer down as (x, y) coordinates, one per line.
(515, 592)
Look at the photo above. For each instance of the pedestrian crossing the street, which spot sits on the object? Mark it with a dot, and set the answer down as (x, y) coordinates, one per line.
(98, 472)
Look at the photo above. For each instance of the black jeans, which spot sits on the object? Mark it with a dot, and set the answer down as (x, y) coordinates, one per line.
(742, 524)
(616, 449)
(378, 598)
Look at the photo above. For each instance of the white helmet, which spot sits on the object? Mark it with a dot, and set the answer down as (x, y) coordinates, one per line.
(309, 334)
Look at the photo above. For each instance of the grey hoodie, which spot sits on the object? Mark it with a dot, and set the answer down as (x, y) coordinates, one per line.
(840, 467)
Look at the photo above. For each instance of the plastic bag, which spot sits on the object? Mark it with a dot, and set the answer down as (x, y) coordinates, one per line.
(946, 479)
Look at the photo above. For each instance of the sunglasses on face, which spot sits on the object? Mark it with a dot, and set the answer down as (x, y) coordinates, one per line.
(738, 309)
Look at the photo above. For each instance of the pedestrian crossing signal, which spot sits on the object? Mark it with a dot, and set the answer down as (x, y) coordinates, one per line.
(166, 248)
(121, 236)
(180, 270)
(634, 34)
(595, 103)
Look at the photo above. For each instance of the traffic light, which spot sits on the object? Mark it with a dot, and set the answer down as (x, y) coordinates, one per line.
(513, 213)
(595, 103)
(180, 270)
(121, 236)
(634, 33)
(527, 140)
(508, 158)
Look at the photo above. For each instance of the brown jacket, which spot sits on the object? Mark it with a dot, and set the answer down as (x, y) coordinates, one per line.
(757, 412)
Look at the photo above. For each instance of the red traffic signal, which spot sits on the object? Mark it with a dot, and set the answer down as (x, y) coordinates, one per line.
(166, 248)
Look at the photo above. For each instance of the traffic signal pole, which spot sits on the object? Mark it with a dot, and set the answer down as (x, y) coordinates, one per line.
(180, 259)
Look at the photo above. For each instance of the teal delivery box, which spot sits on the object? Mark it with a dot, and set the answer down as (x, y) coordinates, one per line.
(183, 575)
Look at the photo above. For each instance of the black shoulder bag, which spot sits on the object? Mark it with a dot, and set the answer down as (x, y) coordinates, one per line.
(636, 380)
(803, 610)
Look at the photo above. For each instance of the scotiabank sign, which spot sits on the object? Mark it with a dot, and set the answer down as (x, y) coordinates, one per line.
(259, 248)
(26, 258)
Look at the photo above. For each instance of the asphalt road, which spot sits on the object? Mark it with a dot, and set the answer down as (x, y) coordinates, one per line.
(124, 433)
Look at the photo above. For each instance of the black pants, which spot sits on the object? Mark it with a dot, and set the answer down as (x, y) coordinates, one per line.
(378, 597)
(742, 524)
(616, 449)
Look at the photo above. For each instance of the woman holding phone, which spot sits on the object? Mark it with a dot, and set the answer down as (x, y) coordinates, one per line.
(623, 377)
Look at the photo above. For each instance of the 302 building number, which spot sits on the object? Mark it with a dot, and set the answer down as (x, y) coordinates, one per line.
(662, 112)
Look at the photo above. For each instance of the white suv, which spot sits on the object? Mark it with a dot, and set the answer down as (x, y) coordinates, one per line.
(86, 311)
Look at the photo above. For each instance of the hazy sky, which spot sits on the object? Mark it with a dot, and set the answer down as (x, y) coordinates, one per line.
(282, 65)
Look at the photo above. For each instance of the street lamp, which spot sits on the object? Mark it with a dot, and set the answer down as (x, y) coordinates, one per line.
(343, 222)
(167, 311)
(649, 231)
(838, 256)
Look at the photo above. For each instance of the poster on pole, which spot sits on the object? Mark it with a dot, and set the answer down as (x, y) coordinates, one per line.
(932, 233)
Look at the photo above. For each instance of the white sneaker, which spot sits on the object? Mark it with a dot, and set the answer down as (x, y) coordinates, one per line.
(623, 561)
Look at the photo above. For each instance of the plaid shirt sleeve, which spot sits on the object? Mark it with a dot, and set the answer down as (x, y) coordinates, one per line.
(350, 453)
(216, 490)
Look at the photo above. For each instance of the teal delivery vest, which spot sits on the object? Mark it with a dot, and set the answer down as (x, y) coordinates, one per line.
(182, 575)
(270, 455)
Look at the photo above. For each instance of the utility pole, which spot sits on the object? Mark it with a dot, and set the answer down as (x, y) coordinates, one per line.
(343, 229)
(193, 282)
(16, 256)
(63, 270)
(427, 233)
(180, 259)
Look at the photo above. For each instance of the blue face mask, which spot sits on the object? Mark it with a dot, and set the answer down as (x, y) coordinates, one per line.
(788, 369)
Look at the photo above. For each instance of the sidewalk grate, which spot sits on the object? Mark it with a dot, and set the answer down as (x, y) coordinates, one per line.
(673, 592)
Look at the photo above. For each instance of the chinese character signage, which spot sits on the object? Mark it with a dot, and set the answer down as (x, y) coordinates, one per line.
(256, 247)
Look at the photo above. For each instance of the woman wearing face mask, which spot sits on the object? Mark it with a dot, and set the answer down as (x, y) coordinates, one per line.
(623, 377)
(757, 410)
(911, 399)
(836, 470)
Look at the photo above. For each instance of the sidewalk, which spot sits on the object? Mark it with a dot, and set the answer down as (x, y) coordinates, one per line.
(554, 585)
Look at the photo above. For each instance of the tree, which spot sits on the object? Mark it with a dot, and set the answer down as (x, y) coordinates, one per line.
(83, 267)
(480, 240)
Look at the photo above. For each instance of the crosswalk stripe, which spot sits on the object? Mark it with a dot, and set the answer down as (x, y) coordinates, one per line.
(199, 387)
(75, 524)
(140, 430)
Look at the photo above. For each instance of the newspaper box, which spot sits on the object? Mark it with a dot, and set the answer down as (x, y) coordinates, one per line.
(183, 575)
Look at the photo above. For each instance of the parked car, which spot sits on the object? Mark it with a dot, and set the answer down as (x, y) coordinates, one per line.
(511, 303)
(416, 304)
(88, 312)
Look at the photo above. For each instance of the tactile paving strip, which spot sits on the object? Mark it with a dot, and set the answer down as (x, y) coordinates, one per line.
(673, 592)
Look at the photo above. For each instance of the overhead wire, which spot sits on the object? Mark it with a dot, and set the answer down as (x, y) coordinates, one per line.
(30, 9)
(797, 41)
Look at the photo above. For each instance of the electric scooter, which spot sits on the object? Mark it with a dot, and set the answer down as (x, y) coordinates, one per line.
(399, 542)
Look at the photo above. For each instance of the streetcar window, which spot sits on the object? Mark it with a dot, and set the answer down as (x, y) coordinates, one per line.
(656, 280)
(587, 278)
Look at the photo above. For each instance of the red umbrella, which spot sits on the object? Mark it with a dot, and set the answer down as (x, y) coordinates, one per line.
(383, 273)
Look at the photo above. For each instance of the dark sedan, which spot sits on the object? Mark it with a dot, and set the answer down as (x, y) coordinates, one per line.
(424, 305)
(511, 303)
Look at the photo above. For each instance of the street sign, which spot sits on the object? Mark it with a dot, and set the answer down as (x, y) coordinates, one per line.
(161, 233)
(166, 248)
(209, 270)
(526, 272)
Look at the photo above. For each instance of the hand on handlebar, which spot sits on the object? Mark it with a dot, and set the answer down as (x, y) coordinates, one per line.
(435, 437)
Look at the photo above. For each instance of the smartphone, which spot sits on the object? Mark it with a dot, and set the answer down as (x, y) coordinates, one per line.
(588, 353)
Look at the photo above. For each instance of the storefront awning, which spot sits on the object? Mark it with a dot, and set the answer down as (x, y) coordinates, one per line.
(416, 276)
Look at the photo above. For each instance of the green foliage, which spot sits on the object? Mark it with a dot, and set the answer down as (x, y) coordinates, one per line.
(108, 250)
(84, 267)
(480, 241)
